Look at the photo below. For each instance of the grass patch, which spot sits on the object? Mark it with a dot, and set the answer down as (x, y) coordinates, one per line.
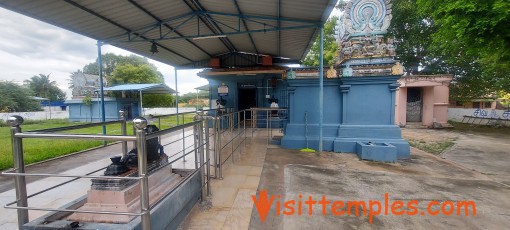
(36, 150)
(479, 129)
(434, 147)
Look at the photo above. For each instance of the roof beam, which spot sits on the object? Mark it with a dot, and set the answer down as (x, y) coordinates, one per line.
(226, 34)
(166, 25)
(122, 27)
(196, 6)
(246, 26)
(199, 14)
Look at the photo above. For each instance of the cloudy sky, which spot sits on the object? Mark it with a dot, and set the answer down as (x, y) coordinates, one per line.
(29, 47)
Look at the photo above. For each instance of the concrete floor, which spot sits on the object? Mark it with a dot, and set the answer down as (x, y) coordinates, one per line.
(475, 169)
(454, 176)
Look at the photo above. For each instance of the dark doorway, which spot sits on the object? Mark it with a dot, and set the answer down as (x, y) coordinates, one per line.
(414, 104)
(247, 99)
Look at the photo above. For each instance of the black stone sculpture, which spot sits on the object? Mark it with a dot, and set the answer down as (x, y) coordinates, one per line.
(121, 165)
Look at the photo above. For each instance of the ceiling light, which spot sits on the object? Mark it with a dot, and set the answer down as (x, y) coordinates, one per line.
(154, 48)
(213, 36)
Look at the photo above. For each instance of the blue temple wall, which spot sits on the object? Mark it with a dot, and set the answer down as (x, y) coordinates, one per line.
(356, 109)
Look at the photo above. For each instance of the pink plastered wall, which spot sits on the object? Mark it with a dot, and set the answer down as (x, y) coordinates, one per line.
(435, 94)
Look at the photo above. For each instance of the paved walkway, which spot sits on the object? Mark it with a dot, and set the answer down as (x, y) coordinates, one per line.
(231, 206)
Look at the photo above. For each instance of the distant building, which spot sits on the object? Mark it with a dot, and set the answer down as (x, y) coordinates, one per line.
(83, 84)
(79, 111)
(480, 103)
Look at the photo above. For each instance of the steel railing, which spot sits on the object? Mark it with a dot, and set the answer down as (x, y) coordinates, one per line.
(229, 129)
(140, 138)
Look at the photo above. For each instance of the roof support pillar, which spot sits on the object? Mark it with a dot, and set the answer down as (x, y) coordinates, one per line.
(141, 103)
(321, 85)
(176, 97)
(101, 85)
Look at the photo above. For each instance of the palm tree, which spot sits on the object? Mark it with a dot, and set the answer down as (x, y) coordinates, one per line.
(41, 85)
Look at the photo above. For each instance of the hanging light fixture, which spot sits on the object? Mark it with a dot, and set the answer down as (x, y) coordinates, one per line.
(154, 48)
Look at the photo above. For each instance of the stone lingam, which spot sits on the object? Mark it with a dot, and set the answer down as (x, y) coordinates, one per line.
(123, 195)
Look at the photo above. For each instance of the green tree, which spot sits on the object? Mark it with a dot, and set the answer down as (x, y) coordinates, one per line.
(132, 69)
(132, 74)
(330, 46)
(158, 100)
(111, 61)
(412, 33)
(42, 86)
(474, 36)
(15, 98)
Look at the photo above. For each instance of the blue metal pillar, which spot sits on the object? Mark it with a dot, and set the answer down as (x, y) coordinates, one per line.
(100, 68)
(321, 87)
(176, 96)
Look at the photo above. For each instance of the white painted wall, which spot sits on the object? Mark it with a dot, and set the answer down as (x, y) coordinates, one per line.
(457, 114)
(164, 111)
(43, 115)
(46, 115)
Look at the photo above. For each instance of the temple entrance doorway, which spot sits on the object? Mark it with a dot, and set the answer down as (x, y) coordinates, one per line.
(414, 104)
(247, 99)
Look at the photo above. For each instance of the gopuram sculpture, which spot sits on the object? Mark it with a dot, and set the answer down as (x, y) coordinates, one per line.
(364, 49)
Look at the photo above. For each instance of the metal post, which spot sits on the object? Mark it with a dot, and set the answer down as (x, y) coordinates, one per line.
(220, 160)
(142, 113)
(244, 127)
(215, 153)
(231, 123)
(253, 121)
(176, 97)
(267, 125)
(207, 156)
(239, 130)
(19, 165)
(123, 129)
(200, 133)
(183, 145)
(196, 138)
(321, 87)
(101, 86)
(140, 124)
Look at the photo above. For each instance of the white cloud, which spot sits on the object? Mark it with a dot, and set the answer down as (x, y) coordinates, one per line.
(29, 47)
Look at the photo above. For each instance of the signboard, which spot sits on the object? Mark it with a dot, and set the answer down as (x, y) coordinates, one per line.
(222, 90)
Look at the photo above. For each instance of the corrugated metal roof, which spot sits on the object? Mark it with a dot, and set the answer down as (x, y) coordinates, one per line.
(203, 88)
(145, 88)
(103, 20)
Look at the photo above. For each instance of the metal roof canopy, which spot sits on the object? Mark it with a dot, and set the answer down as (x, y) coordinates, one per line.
(203, 88)
(145, 88)
(141, 88)
(284, 29)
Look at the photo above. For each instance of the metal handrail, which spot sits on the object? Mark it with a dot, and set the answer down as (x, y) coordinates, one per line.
(140, 138)
(74, 127)
(76, 136)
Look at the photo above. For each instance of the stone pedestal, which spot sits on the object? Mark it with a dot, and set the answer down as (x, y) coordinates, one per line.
(161, 181)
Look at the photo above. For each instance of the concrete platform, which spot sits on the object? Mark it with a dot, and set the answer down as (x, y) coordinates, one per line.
(343, 177)
(475, 169)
